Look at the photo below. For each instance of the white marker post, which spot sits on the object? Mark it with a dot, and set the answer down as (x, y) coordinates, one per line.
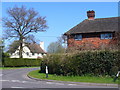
(118, 73)
(46, 72)
(116, 76)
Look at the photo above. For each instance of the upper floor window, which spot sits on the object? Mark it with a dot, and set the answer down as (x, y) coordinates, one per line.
(78, 37)
(106, 36)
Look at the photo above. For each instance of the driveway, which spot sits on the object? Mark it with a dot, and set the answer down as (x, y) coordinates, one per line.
(17, 78)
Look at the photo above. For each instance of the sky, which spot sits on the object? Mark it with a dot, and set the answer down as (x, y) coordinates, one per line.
(62, 16)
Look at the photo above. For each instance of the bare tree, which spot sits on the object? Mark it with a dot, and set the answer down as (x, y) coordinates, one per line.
(21, 22)
(31, 39)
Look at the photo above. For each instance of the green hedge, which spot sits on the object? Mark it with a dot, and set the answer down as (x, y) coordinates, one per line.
(17, 62)
(82, 63)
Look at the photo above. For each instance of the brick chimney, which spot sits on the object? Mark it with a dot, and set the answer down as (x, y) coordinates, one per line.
(91, 15)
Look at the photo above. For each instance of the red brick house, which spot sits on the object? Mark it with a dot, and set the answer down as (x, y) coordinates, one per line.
(93, 33)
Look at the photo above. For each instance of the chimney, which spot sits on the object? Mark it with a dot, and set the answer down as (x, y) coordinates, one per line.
(42, 45)
(91, 15)
(23, 44)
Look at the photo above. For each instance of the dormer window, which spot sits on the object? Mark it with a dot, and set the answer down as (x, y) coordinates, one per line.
(78, 37)
(106, 36)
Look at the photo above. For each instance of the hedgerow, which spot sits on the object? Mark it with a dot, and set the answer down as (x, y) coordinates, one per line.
(82, 63)
(17, 62)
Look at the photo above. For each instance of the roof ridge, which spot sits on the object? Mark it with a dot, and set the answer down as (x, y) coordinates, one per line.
(100, 18)
(107, 18)
(105, 24)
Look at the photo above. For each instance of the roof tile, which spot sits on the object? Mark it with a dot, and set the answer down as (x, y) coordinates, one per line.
(96, 25)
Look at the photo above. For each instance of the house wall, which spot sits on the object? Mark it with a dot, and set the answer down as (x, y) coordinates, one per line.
(90, 40)
(26, 54)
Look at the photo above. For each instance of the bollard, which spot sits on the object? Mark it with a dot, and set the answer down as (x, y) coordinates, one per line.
(116, 76)
(46, 72)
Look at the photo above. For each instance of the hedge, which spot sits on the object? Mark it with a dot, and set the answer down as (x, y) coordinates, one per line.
(17, 62)
(83, 63)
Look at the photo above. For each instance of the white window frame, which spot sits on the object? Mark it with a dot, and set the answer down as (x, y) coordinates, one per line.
(78, 37)
(106, 36)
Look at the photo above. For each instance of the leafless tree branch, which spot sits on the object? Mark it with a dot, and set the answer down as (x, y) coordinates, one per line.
(23, 21)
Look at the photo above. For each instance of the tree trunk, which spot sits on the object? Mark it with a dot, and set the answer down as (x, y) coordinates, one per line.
(21, 48)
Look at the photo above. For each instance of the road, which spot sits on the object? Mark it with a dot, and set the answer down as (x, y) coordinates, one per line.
(17, 78)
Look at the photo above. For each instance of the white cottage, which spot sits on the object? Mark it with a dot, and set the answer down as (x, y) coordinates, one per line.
(30, 50)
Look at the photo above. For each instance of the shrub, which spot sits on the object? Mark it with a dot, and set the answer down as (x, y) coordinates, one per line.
(17, 62)
(82, 63)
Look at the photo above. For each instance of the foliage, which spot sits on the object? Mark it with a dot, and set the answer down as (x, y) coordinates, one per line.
(118, 39)
(13, 46)
(56, 47)
(18, 62)
(5, 55)
(86, 62)
(1, 45)
(21, 23)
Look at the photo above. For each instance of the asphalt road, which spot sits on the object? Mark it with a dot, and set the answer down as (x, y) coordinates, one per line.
(17, 78)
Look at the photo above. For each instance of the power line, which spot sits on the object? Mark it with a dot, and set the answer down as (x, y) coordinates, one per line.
(48, 36)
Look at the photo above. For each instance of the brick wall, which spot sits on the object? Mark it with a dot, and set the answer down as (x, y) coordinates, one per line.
(92, 41)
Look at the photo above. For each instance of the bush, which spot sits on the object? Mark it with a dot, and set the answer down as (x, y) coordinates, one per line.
(17, 62)
(82, 63)
(5, 55)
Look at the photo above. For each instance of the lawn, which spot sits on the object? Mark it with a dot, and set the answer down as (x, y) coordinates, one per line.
(90, 79)
(14, 67)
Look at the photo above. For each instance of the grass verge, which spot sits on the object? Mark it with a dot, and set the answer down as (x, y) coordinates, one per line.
(14, 67)
(88, 79)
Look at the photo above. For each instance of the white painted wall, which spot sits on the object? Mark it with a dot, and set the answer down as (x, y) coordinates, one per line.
(25, 55)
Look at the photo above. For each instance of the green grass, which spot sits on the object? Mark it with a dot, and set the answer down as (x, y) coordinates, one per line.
(14, 67)
(89, 79)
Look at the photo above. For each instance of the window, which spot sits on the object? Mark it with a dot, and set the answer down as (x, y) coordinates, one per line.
(42, 53)
(33, 54)
(27, 53)
(78, 37)
(106, 36)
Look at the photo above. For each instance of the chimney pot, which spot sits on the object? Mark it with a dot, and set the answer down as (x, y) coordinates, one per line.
(91, 15)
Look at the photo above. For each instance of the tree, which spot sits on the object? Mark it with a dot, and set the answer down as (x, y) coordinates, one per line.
(1, 50)
(31, 39)
(118, 39)
(21, 23)
(1, 46)
(13, 46)
(56, 47)
(2, 54)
